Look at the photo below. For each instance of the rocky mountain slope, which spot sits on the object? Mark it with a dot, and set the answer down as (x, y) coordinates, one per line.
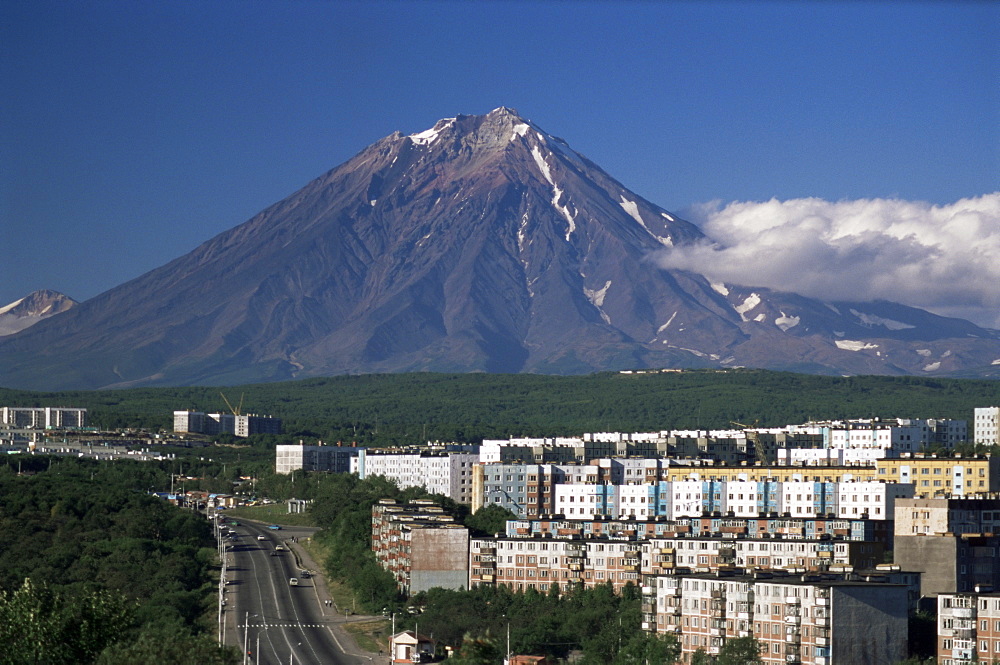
(481, 244)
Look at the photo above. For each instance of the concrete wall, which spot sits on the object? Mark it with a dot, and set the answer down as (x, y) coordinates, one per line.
(440, 558)
(932, 556)
(869, 625)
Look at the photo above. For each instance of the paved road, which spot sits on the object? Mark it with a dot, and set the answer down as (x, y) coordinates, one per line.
(291, 624)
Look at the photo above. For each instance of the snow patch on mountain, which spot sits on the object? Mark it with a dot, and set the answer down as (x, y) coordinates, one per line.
(853, 345)
(542, 166)
(786, 322)
(748, 304)
(996, 362)
(596, 298)
(665, 325)
(926, 353)
(520, 129)
(7, 308)
(760, 318)
(873, 320)
(932, 367)
(719, 287)
(428, 136)
(667, 217)
(570, 218)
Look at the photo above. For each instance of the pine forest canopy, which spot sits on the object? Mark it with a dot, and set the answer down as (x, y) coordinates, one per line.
(384, 409)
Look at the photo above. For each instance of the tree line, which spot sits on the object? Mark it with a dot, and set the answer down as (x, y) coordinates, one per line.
(393, 409)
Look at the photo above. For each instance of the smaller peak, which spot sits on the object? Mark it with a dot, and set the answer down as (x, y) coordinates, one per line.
(505, 111)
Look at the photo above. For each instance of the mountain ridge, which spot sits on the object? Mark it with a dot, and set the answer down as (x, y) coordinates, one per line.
(481, 244)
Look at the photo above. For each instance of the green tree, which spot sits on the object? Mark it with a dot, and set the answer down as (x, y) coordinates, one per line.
(648, 649)
(42, 626)
(740, 651)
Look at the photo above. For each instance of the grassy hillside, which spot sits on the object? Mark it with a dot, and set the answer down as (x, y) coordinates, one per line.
(410, 408)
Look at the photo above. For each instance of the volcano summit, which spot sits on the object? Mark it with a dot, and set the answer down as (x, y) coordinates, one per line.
(481, 244)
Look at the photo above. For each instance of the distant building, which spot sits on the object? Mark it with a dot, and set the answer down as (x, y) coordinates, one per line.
(47, 417)
(292, 457)
(198, 422)
(987, 426)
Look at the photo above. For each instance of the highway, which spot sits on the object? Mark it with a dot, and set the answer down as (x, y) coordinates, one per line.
(276, 623)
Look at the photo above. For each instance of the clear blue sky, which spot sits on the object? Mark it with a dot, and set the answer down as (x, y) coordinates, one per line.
(130, 132)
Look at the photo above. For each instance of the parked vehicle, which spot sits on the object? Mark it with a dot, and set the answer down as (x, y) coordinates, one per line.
(293, 581)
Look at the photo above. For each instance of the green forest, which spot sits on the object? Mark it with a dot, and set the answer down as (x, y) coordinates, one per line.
(93, 569)
(392, 409)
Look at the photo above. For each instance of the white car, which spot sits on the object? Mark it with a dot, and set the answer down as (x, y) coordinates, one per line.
(261, 538)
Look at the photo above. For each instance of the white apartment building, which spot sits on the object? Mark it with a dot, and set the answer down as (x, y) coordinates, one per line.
(47, 417)
(447, 473)
(292, 457)
(987, 425)
(579, 502)
(873, 498)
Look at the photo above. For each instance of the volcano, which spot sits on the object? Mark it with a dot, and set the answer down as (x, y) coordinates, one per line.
(481, 244)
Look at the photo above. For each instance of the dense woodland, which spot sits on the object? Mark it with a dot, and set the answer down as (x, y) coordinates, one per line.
(393, 409)
(95, 570)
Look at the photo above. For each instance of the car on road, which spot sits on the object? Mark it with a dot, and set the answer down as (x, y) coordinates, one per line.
(261, 537)
(293, 581)
(279, 548)
(274, 527)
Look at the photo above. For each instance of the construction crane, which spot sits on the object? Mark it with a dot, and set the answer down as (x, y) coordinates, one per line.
(753, 436)
(239, 408)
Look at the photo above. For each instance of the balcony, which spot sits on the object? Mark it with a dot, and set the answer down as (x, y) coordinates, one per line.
(648, 591)
(963, 612)
(822, 601)
(793, 619)
(793, 600)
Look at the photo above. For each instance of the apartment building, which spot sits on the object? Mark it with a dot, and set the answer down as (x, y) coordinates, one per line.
(589, 491)
(421, 545)
(47, 417)
(986, 425)
(954, 542)
(292, 457)
(773, 551)
(446, 471)
(537, 563)
(817, 527)
(968, 628)
(242, 426)
(522, 560)
(798, 619)
(934, 475)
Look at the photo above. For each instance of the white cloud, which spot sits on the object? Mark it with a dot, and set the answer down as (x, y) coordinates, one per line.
(942, 258)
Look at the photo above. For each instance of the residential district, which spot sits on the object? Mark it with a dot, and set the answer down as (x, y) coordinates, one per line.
(819, 540)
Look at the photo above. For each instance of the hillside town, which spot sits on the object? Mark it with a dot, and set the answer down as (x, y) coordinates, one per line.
(818, 540)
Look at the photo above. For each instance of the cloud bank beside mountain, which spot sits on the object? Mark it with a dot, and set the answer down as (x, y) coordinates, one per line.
(942, 258)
